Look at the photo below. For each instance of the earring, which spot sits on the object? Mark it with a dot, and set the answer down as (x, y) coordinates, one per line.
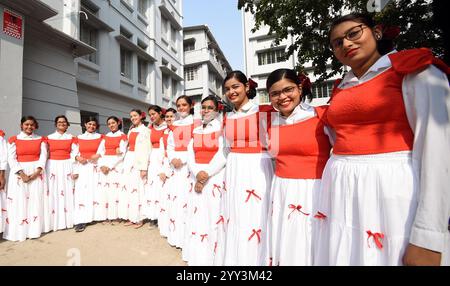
(378, 36)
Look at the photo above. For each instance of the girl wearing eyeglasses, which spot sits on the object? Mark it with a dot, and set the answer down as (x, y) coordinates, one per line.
(298, 168)
(385, 187)
(62, 148)
(206, 162)
(242, 237)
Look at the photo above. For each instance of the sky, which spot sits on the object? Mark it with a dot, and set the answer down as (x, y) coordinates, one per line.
(225, 23)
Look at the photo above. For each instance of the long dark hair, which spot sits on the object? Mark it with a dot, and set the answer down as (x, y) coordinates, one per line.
(188, 100)
(143, 115)
(242, 78)
(384, 45)
(292, 76)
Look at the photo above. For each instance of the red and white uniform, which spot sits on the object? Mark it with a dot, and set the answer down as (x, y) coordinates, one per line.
(298, 171)
(245, 204)
(59, 204)
(165, 200)
(180, 183)
(386, 184)
(25, 201)
(154, 189)
(3, 164)
(87, 183)
(205, 153)
(112, 150)
(136, 160)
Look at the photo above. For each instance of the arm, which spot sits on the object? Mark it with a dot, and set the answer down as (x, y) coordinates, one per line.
(14, 165)
(170, 147)
(427, 102)
(123, 150)
(191, 159)
(143, 149)
(3, 153)
(101, 151)
(43, 156)
(218, 161)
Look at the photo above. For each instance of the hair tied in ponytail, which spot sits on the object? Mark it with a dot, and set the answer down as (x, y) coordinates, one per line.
(390, 32)
(252, 84)
(305, 82)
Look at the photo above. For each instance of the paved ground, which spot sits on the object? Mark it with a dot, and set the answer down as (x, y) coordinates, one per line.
(98, 245)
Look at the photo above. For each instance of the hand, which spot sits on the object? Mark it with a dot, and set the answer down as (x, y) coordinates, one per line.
(176, 163)
(202, 177)
(104, 169)
(94, 158)
(36, 174)
(198, 187)
(81, 160)
(24, 177)
(163, 177)
(2, 180)
(74, 176)
(143, 174)
(118, 152)
(418, 256)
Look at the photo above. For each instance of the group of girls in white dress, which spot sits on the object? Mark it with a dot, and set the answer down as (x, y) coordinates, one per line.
(361, 181)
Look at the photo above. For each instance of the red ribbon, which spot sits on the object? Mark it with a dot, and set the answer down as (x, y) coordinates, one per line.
(62, 193)
(35, 218)
(377, 237)
(320, 215)
(221, 219)
(258, 234)
(216, 187)
(24, 221)
(203, 236)
(223, 187)
(134, 191)
(252, 84)
(250, 193)
(172, 222)
(52, 176)
(190, 190)
(162, 210)
(296, 208)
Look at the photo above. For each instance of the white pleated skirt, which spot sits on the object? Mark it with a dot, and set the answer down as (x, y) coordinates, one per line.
(3, 213)
(205, 214)
(165, 204)
(110, 186)
(60, 206)
(134, 189)
(292, 211)
(242, 238)
(370, 202)
(154, 188)
(180, 186)
(85, 186)
(25, 205)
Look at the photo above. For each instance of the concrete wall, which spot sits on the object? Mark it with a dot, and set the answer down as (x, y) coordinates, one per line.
(11, 70)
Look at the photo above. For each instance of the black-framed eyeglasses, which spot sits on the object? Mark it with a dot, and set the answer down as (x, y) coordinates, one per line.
(287, 91)
(352, 34)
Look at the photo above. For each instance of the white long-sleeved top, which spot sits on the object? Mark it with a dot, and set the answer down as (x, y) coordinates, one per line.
(16, 166)
(112, 161)
(426, 95)
(3, 153)
(218, 162)
(143, 147)
(171, 153)
(65, 136)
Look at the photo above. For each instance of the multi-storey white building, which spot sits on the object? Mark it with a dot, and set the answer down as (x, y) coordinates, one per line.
(88, 57)
(205, 65)
(262, 57)
(139, 57)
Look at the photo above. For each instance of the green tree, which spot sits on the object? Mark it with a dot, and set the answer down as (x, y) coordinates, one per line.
(308, 22)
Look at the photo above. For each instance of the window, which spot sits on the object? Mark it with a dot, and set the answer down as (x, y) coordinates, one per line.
(142, 45)
(142, 71)
(263, 96)
(125, 62)
(173, 34)
(124, 32)
(165, 85)
(174, 88)
(142, 7)
(189, 46)
(323, 89)
(126, 125)
(86, 5)
(191, 73)
(271, 57)
(88, 35)
(84, 116)
(164, 28)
